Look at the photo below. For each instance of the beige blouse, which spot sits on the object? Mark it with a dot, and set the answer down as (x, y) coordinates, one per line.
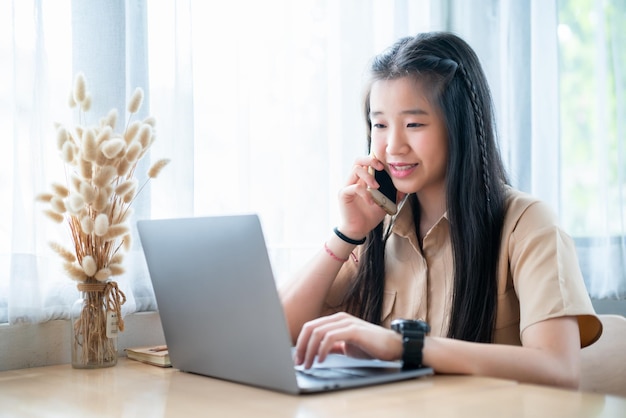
(538, 278)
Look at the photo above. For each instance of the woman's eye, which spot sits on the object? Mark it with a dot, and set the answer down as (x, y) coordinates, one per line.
(378, 125)
(414, 125)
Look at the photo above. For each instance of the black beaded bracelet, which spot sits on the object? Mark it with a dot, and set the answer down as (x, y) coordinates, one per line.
(348, 239)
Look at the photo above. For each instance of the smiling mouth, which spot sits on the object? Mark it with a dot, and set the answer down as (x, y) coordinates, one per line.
(400, 171)
(402, 167)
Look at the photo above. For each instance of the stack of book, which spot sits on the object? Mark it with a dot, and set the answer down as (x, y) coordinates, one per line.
(155, 355)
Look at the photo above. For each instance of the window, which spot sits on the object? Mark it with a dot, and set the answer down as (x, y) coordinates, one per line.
(257, 104)
(592, 55)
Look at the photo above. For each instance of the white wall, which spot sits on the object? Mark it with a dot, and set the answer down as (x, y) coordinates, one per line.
(23, 346)
(609, 306)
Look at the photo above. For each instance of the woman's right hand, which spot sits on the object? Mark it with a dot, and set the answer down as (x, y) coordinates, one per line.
(304, 297)
(359, 212)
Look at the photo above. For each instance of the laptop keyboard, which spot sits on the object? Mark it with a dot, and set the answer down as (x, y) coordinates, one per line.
(334, 373)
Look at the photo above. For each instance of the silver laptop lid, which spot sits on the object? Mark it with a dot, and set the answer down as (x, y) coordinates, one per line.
(217, 299)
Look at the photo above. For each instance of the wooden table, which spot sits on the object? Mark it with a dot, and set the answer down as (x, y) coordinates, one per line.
(133, 389)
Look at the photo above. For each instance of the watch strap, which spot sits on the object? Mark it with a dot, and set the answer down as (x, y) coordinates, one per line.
(413, 345)
(413, 333)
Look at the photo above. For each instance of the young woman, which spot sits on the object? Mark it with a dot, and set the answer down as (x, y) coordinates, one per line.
(489, 283)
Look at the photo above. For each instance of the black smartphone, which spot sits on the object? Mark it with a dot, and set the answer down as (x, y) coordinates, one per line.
(386, 194)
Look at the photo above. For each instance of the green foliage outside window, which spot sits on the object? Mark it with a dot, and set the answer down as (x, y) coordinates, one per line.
(592, 65)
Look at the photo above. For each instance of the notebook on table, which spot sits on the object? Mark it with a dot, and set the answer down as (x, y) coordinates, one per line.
(221, 313)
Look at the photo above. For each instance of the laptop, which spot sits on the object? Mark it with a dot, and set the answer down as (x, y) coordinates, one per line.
(221, 313)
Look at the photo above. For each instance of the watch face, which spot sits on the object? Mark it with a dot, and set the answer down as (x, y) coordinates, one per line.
(409, 325)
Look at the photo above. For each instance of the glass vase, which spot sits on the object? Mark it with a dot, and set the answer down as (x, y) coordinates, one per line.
(93, 329)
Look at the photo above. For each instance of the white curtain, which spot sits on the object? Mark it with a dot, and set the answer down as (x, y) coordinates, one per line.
(593, 139)
(557, 73)
(35, 56)
(258, 104)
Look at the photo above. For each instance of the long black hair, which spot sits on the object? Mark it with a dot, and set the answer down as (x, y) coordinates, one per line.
(456, 86)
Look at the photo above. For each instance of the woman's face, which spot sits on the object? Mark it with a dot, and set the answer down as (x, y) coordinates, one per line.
(408, 136)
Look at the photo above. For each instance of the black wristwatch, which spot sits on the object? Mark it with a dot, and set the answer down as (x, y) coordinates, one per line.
(413, 332)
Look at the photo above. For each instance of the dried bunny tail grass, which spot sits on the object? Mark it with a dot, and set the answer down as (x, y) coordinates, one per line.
(127, 242)
(86, 169)
(125, 186)
(101, 225)
(67, 255)
(123, 167)
(125, 214)
(75, 203)
(56, 217)
(157, 167)
(97, 205)
(67, 152)
(104, 135)
(116, 212)
(144, 135)
(135, 100)
(130, 195)
(60, 190)
(44, 197)
(104, 176)
(150, 120)
(58, 205)
(152, 173)
(62, 137)
(117, 258)
(115, 231)
(103, 274)
(88, 192)
(80, 88)
(101, 202)
(75, 272)
(111, 118)
(133, 151)
(76, 181)
(116, 269)
(90, 145)
(102, 159)
(142, 153)
(109, 189)
(89, 265)
(113, 147)
(86, 104)
(70, 100)
(131, 131)
(87, 225)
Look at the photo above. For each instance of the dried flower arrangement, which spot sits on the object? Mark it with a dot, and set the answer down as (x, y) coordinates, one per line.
(96, 205)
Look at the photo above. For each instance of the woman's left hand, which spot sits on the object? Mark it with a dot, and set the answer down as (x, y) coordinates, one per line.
(346, 334)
